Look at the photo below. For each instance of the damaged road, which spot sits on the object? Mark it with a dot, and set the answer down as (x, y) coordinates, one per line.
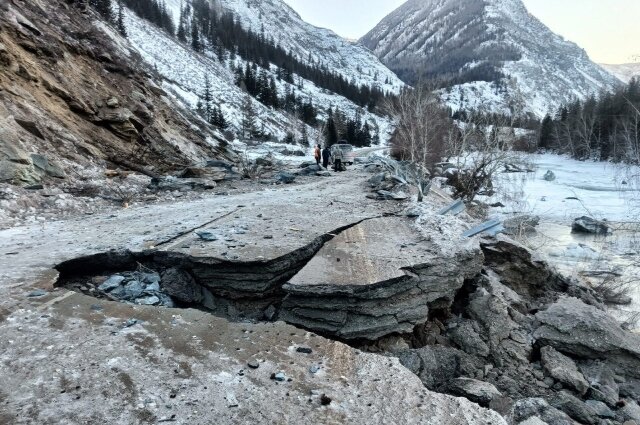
(64, 350)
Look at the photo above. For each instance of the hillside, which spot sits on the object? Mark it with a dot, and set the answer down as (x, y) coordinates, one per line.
(75, 99)
(493, 54)
(185, 70)
(625, 72)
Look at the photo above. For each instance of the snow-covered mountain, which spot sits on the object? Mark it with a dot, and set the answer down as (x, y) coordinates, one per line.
(184, 70)
(625, 72)
(494, 52)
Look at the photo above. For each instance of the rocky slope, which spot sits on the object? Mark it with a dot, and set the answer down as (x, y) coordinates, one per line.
(74, 96)
(494, 52)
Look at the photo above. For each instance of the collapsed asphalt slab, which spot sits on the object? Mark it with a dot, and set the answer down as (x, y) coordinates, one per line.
(63, 351)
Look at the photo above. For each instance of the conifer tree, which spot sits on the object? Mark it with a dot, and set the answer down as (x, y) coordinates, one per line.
(182, 32)
(207, 98)
(196, 44)
(120, 21)
(248, 118)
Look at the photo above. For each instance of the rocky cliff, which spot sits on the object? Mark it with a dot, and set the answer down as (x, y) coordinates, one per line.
(75, 97)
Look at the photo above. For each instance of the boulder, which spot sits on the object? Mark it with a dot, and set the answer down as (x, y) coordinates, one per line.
(631, 411)
(602, 381)
(19, 174)
(50, 168)
(575, 408)
(437, 365)
(477, 391)
(309, 170)
(181, 286)
(465, 336)
(573, 327)
(540, 409)
(111, 283)
(601, 409)
(133, 290)
(563, 369)
(590, 226)
(284, 177)
(549, 176)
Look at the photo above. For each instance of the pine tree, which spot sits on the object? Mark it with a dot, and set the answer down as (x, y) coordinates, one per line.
(103, 7)
(182, 32)
(120, 21)
(196, 44)
(330, 134)
(248, 119)
(207, 98)
(304, 138)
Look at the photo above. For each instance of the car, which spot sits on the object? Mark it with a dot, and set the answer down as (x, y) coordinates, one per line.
(347, 150)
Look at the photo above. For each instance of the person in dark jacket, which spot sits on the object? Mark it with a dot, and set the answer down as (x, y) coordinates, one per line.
(326, 154)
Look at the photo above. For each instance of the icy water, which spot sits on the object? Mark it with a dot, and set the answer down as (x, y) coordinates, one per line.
(596, 189)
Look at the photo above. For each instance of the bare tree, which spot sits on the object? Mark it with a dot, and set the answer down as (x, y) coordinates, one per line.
(422, 125)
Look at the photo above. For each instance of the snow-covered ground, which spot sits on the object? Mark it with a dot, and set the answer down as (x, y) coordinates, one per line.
(595, 189)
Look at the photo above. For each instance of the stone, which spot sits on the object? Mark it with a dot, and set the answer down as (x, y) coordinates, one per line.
(284, 177)
(37, 293)
(253, 364)
(152, 288)
(310, 169)
(304, 350)
(550, 176)
(180, 285)
(31, 127)
(575, 408)
(207, 236)
(573, 327)
(603, 385)
(539, 408)
(477, 391)
(280, 377)
(133, 290)
(17, 173)
(631, 411)
(270, 312)
(50, 168)
(469, 341)
(534, 420)
(601, 409)
(152, 300)
(590, 226)
(314, 368)
(563, 369)
(113, 102)
(111, 283)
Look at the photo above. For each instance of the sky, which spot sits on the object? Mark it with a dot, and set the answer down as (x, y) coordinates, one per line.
(609, 30)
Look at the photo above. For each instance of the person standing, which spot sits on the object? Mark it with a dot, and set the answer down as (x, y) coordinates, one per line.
(316, 154)
(338, 158)
(326, 155)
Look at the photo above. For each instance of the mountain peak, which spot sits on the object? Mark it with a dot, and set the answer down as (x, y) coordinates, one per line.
(482, 48)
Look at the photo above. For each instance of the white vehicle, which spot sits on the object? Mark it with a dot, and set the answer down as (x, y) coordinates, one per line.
(348, 152)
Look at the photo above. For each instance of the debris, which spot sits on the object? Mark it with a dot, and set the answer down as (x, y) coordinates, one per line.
(454, 209)
(491, 227)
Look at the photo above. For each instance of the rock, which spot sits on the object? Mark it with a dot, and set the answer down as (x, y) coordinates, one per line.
(253, 364)
(590, 226)
(152, 300)
(438, 365)
(133, 290)
(113, 102)
(631, 411)
(218, 163)
(310, 169)
(549, 176)
(280, 377)
(563, 369)
(527, 408)
(112, 283)
(31, 127)
(385, 195)
(534, 420)
(601, 409)
(37, 293)
(465, 337)
(575, 408)
(284, 177)
(601, 378)
(323, 174)
(630, 389)
(17, 173)
(180, 285)
(477, 391)
(314, 368)
(325, 400)
(573, 327)
(207, 236)
(50, 168)
(270, 313)
(304, 350)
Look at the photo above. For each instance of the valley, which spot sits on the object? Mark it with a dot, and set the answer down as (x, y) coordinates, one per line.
(173, 250)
